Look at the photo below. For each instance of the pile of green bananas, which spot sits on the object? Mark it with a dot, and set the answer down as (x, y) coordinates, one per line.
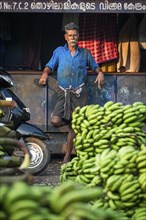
(8, 145)
(68, 201)
(110, 145)
(7, 161)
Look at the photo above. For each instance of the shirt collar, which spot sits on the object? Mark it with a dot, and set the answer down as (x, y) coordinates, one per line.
(66, 47)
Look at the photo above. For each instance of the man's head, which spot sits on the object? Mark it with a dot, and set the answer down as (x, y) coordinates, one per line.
(71, 34)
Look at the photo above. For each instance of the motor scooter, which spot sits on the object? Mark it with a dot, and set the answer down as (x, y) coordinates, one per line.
(34, 138)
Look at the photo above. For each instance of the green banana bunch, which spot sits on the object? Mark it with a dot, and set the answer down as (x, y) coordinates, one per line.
(84, 211)
(126, 152)
(7, 132)
(139, 214)
(141, 161)
(114, 182)
(142, 181)
(66, 201)
(16, 201)
(111, 148)
(95, 126)
(9, 161)
(68, 171)
(130, 192)
(73, 196)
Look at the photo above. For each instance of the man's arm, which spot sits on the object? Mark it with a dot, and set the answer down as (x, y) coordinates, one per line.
(44, 76)
(100, 78)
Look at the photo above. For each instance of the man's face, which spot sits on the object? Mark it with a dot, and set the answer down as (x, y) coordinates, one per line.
(71, 37)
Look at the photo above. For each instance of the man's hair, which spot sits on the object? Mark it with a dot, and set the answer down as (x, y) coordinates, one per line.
(71, 26)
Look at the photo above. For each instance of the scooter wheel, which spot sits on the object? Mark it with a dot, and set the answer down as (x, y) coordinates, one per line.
(40, 154)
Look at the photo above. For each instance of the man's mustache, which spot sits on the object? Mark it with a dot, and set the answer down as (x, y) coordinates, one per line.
(73, 41)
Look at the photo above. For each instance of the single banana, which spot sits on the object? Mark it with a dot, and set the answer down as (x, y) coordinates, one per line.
(129, 130)
(131, 140)
(112, 204)
(119, 121)
(135, 124)
(108, 104)
(130, 119)
(118, 165)
(142, 170)
(129, 110)
(125, 107)
(23, 205)
(85, 179)
(131, 165)
(138, 104)
(83, 109)
(141, 164)
(113, 196)
(142, 110)
(84, 133)
(119, 171)
(123, 126)
(86, 123)
(79, 120)
(97, 137)
(90, 134)
(128, 204)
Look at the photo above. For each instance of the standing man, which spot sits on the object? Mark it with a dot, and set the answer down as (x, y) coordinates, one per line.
(71, 63)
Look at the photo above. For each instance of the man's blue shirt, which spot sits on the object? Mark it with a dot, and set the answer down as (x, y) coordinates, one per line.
(71, 71)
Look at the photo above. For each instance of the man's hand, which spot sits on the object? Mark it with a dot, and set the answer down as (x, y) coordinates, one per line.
(100, 80)
(44, 76)
(42, 81)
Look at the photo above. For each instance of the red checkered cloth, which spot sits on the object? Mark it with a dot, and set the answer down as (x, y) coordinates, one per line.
(98, 34)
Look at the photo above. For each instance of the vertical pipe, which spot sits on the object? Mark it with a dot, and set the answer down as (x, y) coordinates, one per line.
(116, 88)
(47, 105)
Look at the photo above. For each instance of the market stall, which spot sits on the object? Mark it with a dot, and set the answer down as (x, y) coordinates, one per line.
(114, 32)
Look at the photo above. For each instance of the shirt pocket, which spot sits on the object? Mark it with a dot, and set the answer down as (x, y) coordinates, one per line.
(82, 63)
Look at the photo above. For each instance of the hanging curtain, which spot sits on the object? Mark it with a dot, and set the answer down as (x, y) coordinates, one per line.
(98, 34)
(33, 42)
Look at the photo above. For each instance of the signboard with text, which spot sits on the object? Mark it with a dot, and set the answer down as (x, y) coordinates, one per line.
(71, 6)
